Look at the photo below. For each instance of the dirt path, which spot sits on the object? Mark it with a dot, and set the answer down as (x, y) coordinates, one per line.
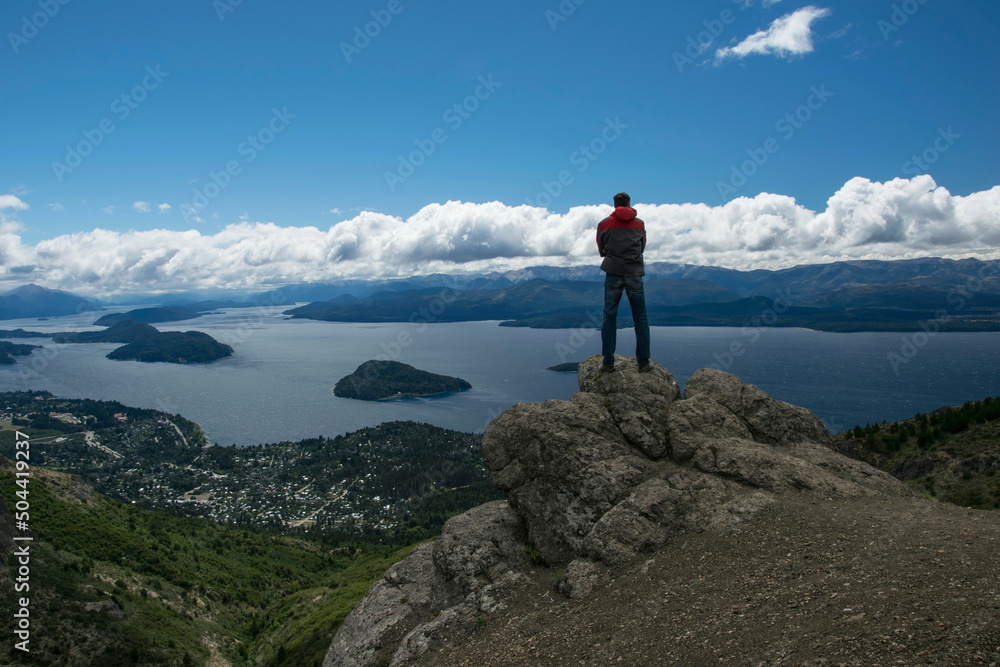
(805, 583)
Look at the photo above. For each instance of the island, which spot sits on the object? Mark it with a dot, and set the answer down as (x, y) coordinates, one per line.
(176, 347)
(379, 380)
(21, 333)
(150, 315)
(10, 350)
(144, 342)
(572, 367)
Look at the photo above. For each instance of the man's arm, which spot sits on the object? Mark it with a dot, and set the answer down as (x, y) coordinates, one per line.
(600, 240)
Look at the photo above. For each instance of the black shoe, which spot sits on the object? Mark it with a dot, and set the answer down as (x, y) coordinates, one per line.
(646, 368)
(606, 368)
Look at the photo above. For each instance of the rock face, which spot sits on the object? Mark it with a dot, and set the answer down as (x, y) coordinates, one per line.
(597, 481)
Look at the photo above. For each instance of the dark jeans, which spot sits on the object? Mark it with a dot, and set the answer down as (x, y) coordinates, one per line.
(613, 286)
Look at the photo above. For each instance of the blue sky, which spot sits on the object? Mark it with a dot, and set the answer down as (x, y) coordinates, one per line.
(165, 138)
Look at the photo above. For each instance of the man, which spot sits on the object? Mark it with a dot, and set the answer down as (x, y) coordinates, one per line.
(621, 240)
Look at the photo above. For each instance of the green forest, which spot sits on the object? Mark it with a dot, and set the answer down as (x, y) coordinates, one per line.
(951, 454)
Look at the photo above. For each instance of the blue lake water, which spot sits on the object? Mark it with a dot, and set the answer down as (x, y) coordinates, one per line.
(278, 384)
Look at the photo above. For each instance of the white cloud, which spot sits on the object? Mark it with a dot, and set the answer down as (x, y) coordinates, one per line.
(768, 3)
(863, 220)
(12, 201)
(791, 35)
(55, 206)
(20, 191)
(142, 206)
(163, 208)
(110, 210)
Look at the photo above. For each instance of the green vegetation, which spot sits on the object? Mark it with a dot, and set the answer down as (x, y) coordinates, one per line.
(114, 584)
(144, 342)
(150, 315)
(378, 380)
(395, 483)
(952, 454)
(565, 368)
(188, 347)
(10, 350)
(21, 333)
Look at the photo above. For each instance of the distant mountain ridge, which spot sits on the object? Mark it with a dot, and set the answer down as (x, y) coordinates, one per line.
(947, 295)
(844, 285)
(35, 301)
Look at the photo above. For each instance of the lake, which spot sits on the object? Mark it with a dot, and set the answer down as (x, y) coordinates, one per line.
(278, 384)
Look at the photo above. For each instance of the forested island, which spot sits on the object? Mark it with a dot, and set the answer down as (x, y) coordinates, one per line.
(378, 380)
(143, 342)
(150, 315)
(10, 350)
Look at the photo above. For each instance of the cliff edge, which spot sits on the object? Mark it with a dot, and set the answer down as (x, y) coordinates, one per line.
(603, 489)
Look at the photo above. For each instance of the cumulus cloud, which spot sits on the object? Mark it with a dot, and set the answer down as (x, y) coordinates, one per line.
(791, 35)
(163, 208)
(142, 206)
(12, 201)
(863, 220)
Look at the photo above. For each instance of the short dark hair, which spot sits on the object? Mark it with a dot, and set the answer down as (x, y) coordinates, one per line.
(622, 199)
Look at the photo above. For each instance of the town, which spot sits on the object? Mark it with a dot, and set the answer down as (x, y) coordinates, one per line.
(392, 479)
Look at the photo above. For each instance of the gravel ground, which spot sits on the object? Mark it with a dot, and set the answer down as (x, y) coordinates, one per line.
(866, 582)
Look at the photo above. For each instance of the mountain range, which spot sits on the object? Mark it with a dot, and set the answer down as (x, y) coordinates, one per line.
(35, 301)
(958, 295)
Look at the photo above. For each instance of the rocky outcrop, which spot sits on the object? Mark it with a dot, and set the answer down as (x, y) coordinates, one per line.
(449, 579)
(614, 473)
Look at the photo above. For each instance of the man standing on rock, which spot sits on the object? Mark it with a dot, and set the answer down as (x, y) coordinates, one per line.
(621, 240)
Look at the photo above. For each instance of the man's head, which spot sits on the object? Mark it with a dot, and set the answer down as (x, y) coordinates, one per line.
(622, 199)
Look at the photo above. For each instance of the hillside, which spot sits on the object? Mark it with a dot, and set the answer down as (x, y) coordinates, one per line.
(809, 582)
(643, 526)
(114, 584)
(395, 483)
(952, 454)
(35, 301)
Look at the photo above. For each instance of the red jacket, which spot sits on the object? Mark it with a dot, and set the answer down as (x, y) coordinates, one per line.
(621, 240)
